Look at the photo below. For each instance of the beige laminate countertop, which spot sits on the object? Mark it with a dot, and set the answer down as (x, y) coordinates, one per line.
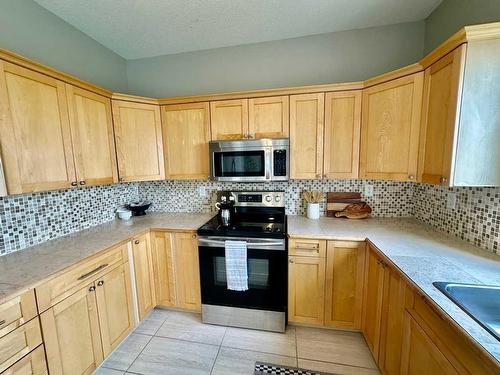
(22, 270)
(423, 254)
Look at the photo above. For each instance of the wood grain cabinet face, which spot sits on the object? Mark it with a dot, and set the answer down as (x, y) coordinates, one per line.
(186, 133)
(35, 133)
(138, 138)
(71, 334)
(306, 290)
(229, 119)
(390, 129)
(439, 116)
(268, 117)
(345, 265)
(114, 299)
(306, 135)
(187, 270)
(162, 247)
(342, 134)
(17, 311)
(92, 134)
(144, 279)
(32, 364)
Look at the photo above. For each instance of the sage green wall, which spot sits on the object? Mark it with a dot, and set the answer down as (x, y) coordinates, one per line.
(451, 15)
(324, 58)
(34, 32)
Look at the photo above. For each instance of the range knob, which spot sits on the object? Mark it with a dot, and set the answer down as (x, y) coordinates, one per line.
(268, 198)
(277, 198)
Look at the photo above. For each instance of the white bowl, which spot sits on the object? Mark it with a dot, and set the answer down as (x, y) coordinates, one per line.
(124, 214)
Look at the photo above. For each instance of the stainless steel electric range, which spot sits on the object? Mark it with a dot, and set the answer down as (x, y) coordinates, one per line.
(258, 218)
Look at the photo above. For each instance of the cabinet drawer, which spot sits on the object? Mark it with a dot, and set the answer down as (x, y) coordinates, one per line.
(16, 312)
(19, 342)
(62, 286)
(32, 364)
(307, 247)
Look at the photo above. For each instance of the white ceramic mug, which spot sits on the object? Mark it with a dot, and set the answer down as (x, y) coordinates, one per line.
(313, 211)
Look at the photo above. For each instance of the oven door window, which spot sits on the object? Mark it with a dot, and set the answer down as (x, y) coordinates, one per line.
(257, 270)
(240, 163)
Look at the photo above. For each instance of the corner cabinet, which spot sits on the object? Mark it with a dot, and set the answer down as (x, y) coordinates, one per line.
(186, 133)
(390, 129)
(138, 138)
(144, 279)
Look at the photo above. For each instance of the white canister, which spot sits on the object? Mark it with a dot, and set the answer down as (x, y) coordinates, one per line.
(313, 211)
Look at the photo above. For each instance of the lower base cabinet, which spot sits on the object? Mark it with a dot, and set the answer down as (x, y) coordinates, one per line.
(85, 327)
(144, 281)
(32, 364)
(176, 269)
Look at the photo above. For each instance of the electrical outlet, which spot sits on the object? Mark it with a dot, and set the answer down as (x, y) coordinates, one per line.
(368, 191)
(451, 201)
(202, 191)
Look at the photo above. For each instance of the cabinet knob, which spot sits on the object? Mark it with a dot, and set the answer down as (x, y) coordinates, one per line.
(137, 242)
(74, 183)
(194, 236)
(83, 182)
(319, 175)
(100, 283)
(443, 180)
(290, 260)
(92, 288)
(411, 177)
(121, 179)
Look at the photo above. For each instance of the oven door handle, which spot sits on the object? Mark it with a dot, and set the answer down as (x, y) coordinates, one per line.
(264, 245)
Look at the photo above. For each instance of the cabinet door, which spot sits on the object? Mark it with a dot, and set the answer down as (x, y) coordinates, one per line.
(390, 129)
(92, 134)
(31, 364)
(268, 117)
(229, 119)
(187, 270)
(144, 280)
(163, 267)
(420, 354)
(391, 331)
(306, 290)
(342, 132)
(186, 133)
(139, 145)
(306, 135)
(35, 134)
(439, 116)
(114, 299)
(345, 266)
(372, 309)
(71, 334)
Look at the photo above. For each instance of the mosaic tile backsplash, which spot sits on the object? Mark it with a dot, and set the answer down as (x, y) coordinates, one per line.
(29, 219)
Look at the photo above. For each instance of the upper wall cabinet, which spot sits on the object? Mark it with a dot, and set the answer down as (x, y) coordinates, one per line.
(138, 136)
(306, 135)
(35, 132)
(341, 136)
(229, 119)
(268, 117)
(92, 133)
(390, 129)
(461, 117)
(186, 133)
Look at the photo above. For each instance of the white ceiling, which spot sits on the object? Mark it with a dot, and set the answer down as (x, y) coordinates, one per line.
(145, 28)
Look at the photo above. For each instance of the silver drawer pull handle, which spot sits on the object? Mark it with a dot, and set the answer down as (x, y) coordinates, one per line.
(85, 275)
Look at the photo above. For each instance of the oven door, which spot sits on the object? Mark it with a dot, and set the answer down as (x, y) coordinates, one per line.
(267, 274)
(245, 164)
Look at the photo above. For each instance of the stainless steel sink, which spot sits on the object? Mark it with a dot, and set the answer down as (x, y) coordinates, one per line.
(481, 302)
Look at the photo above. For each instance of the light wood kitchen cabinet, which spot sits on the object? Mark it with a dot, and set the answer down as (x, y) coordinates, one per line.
(306, 289)
(342, 134)
(187, 271)
(392, 323)
(114, 299)
(390, 129)
(71, 334)
(17, 311)
(144, 279)
(33, 363)
(345, 265)
(268, 117)
(92, 134)
(419, 354)
(307, 247)
(186, 133)
(138, 138)
(162, 247)
(35, 134)
(306, 135)
(229, 119)
(439, 115)
(372, 308)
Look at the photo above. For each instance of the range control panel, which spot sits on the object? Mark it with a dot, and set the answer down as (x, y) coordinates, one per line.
(259, 198)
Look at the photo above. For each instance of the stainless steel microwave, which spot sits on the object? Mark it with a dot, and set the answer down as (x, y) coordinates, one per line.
(250, 160)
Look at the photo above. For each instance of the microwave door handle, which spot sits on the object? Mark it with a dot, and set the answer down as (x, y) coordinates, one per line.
(269, 163)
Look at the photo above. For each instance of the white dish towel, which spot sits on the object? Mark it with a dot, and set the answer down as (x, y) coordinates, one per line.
(236, 265)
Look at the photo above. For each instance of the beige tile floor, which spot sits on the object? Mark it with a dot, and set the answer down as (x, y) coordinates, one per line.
(171, 342)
